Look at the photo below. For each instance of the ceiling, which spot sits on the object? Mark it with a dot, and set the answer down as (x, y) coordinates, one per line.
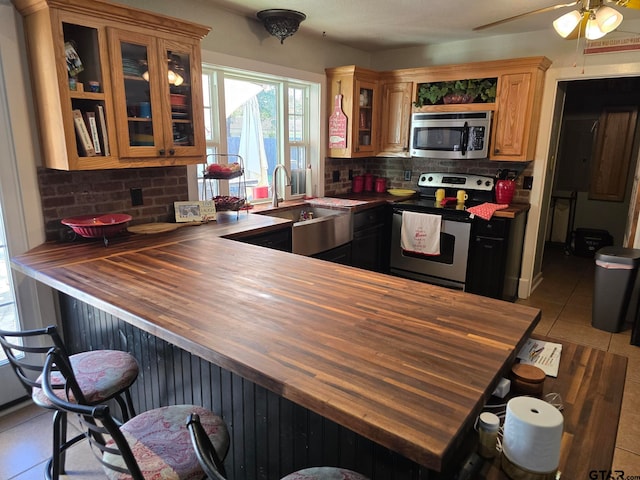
(372, 25)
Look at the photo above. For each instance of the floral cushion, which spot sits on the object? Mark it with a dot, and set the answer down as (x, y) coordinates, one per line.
(100, 375)
(160, 442)
(324, 473)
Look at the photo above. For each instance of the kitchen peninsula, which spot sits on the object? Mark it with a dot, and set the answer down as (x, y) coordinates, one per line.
(308, 361)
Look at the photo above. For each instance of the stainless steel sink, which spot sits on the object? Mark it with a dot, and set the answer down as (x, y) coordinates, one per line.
(316, 229)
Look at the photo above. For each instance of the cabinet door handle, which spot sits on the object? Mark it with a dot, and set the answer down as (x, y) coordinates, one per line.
(162, 151)
(497, 150)
(172, 152)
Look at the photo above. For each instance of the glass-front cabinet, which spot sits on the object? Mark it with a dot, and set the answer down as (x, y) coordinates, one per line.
(365, 109)
(114, 86)
(155, 89)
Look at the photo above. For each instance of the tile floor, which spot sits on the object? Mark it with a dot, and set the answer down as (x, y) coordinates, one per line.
(564, 296)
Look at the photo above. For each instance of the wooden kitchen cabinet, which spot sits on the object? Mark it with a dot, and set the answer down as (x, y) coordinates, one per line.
(395, 119)
(360, 104)
(495, 257)
(104, 35)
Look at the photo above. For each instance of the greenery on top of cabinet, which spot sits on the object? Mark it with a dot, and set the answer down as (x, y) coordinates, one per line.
(457, 91)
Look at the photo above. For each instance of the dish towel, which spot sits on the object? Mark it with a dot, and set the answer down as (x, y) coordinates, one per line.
(486, 210)
(420, 233)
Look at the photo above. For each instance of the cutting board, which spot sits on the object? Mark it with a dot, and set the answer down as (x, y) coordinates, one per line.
(159, 227)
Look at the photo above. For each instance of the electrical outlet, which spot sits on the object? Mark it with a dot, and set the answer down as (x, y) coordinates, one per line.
(350, 174)
(136, 196)
(527, 183)
(336, 176)
(407, 175)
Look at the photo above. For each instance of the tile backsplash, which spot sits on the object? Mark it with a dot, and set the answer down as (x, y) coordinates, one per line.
(393, 168)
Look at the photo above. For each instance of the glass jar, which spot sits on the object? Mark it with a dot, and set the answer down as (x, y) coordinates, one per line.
(488, 425)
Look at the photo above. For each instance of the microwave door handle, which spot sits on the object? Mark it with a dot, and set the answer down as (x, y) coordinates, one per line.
(465, 138)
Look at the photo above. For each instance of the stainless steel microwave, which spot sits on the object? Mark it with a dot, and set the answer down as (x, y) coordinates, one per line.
(458, 135)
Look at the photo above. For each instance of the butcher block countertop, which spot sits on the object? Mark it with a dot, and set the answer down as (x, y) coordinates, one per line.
(405, 364)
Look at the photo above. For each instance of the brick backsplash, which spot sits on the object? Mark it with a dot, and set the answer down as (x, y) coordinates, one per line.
(393, 168)
(67, 194)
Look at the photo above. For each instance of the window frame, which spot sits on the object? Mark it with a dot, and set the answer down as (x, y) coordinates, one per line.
(216, 141)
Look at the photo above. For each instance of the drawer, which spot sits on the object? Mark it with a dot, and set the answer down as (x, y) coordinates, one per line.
(369, 217)
(496, 227)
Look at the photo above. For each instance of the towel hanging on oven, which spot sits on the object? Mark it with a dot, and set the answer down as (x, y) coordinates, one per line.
(420, 233)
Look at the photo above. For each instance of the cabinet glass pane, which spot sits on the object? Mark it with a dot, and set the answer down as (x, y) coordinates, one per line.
(83, 58)
(179, 84)
(365, 119)
(137, 94)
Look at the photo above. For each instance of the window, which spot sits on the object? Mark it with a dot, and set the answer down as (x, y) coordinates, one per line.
(261, 121)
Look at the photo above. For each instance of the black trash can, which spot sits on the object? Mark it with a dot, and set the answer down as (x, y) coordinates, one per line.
(616, 270)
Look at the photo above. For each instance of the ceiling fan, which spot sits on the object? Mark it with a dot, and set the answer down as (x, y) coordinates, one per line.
(591, 18)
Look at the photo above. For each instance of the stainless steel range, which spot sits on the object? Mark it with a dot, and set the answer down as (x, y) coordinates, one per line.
(449, 268)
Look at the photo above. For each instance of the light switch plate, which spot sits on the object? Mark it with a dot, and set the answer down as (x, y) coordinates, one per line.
(407, 175)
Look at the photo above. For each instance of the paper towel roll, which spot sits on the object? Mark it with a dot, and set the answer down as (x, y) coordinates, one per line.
(308, 190)
(532, 434)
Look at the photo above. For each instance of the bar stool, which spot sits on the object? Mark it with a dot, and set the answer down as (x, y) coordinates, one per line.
(154, 444)
(102, 374)
(212, 464)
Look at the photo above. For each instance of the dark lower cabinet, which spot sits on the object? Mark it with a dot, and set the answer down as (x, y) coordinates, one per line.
(277, 239)
(495, 257)
(341, 254)
(371, 239)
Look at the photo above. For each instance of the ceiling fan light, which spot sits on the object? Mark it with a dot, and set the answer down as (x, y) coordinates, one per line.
(567, 23)
(592, 31)
(608, 19)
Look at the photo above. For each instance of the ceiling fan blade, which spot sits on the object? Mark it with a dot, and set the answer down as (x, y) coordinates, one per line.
(534, 12)
(627, 3)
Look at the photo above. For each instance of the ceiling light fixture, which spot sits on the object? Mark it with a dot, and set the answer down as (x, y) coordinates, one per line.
(281, 23)
(601, 20)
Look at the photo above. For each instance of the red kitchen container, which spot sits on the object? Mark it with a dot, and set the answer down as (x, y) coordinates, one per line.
(357, 184)
(381, 185)
(368, 182)
(504, 191)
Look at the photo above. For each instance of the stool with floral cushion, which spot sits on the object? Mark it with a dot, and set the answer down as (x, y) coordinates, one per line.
(102, 374)
(212, 465)
(154, 444)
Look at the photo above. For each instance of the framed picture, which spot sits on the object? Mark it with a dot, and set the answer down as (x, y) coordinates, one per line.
(196, 211)
(74, 64)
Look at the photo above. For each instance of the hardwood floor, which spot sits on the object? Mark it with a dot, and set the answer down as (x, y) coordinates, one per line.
(565, 297)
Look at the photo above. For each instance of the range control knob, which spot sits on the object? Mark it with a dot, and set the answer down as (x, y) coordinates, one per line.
(430, 179)
(479, 182)
(488, 183)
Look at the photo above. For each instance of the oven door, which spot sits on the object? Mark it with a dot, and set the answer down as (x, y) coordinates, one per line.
(449, 269)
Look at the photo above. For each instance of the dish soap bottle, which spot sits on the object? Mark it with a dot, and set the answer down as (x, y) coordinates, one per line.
(308, 187)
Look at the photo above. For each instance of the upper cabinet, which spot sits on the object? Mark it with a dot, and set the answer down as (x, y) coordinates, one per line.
(127, 86)
(353, 92)
(395, 118)
(516, 110)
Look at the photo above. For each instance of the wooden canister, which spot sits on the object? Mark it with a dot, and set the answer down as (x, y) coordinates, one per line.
(527, 380)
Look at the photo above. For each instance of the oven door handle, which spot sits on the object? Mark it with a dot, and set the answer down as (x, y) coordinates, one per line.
(465, 138)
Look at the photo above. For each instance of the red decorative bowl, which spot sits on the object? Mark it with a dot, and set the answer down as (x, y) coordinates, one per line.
(98, 226)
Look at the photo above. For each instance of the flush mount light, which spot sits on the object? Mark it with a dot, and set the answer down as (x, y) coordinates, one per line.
(281, 23)
(567, 23)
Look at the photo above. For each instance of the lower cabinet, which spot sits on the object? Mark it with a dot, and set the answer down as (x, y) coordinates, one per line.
(495, 257)
(277, 240)
(341, 254)
(371, 239)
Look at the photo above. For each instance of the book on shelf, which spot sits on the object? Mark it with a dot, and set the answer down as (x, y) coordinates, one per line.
(85, 142)
(92, 126)
(102, 130)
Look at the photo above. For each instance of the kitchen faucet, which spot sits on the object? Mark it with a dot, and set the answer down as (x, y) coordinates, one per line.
(274, 187)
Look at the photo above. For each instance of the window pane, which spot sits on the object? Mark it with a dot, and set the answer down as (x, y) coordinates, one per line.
(252, 120)
(296, 115)
(298, 169)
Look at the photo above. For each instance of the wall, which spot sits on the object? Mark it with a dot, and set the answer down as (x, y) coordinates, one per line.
(68, 194)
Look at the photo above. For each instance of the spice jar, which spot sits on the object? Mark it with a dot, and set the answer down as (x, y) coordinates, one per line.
(527, 380)
(488, 425)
